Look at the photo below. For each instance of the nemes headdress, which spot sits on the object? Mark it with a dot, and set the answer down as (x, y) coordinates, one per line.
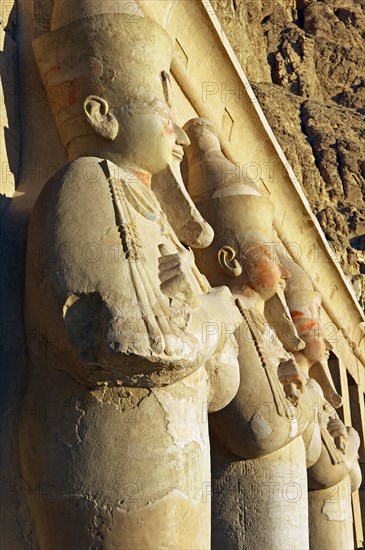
(303, 301)
(232, 204)
(229, 201)
(93, 50)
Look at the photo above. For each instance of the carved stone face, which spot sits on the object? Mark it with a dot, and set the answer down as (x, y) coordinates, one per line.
(266, 274)
(315, 346)
(149, 137)
(307, 321)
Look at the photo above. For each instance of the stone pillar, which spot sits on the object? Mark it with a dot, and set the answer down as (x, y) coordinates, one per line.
(330, 518)
(266, 497)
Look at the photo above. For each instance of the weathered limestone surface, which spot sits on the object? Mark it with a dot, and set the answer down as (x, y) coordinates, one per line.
(257, 449)
(260, 503)
(9, 102)
(305, 60)
(337, 462)
(113, 434)
(330, 517)
(259, 435)
(66, 412)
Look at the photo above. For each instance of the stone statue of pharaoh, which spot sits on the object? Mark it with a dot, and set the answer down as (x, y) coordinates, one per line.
(335, 473)
(122, 353)
(256, 448)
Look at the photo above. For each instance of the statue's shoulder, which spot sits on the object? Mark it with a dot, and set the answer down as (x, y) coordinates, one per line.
(80, 182)
(79, 191)
(85, 173)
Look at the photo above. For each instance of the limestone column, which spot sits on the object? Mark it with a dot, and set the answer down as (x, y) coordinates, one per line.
(260, 503)
(330, 518)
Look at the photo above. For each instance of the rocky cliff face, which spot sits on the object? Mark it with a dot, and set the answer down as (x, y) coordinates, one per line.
(306, 62)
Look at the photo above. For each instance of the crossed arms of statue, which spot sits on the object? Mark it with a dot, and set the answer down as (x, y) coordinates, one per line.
(136, 323)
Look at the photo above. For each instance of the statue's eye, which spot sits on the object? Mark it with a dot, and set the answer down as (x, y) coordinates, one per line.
(166, 115)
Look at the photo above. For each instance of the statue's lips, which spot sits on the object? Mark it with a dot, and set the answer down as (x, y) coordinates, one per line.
(179, 153)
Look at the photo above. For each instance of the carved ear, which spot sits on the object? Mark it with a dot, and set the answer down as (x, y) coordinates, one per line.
(228, 262)
(99, 117)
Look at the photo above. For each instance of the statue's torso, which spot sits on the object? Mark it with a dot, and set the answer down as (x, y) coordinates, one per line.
(257, 421)
(117, 457)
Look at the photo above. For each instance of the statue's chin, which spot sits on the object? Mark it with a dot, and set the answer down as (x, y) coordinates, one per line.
(266, 293)
(314, 356)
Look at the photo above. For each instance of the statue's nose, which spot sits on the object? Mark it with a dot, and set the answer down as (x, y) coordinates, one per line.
(284, 272)
(181, 137)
